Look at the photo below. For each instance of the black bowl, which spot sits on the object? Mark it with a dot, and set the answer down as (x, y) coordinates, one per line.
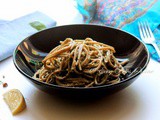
(29, 53)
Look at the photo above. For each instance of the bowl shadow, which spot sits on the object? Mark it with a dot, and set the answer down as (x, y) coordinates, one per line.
(120, 105)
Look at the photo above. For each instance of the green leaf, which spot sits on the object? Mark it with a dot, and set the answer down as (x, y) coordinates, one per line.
(38, 25)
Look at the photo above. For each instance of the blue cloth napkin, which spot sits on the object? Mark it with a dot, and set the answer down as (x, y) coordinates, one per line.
(124, 14)
(13, 32)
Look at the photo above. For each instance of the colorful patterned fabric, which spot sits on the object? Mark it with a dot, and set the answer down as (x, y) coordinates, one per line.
(123, 14)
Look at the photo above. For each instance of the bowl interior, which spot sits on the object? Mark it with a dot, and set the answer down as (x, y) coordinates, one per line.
(29, 53)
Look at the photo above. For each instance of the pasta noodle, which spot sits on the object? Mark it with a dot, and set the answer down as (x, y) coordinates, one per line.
(80, 63)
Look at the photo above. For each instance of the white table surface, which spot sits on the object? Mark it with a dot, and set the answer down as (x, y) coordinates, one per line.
(139, 101)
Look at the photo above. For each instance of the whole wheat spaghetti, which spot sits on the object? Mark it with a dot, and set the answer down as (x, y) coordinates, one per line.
(80, 63)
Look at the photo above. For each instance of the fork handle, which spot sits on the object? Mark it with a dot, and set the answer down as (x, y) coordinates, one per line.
(157, 49)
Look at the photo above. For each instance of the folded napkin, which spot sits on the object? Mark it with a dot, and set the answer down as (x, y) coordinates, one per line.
(123, 14)
(13, 32)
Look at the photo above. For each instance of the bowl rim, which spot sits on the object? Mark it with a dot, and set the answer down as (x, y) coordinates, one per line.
(95, 87)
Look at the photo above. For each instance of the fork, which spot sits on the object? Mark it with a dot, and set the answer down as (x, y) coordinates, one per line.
(147, 35)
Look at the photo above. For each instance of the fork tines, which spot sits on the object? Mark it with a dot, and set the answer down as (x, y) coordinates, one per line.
(145, 31)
